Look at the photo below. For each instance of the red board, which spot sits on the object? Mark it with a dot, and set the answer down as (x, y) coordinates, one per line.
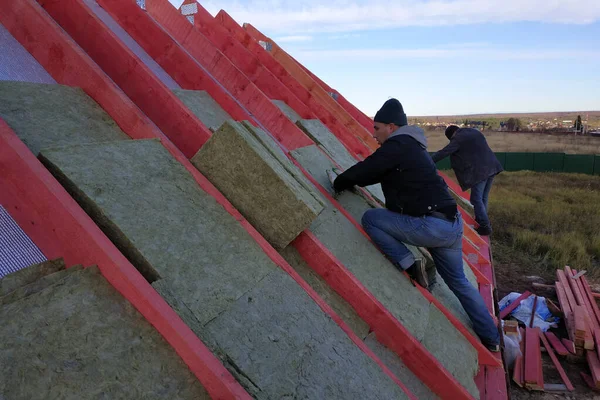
(126, 70)
(194, 62)
(354, 145)
(557, 365)
(507, 310)
(60, 228)
(387, 328)
(558, 346)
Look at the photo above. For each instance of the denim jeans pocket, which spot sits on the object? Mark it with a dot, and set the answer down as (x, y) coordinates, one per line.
(444, 232)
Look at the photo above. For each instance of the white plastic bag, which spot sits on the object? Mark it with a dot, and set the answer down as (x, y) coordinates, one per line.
(512, 347)
(543, 318)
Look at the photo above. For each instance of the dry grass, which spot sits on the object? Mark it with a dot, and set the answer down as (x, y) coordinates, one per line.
(527, 142)
(550, 216)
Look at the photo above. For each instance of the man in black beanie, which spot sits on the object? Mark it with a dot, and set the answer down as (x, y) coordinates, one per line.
(475, 165)
(419, 211)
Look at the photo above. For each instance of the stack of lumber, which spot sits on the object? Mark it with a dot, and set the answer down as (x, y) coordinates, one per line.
(582, 318)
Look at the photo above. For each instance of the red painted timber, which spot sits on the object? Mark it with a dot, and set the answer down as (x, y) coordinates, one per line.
(358, 115)
(165, 46)
(481, 278)
(243, 59)
(507, 310)
(495, 384)
(387, 328)
(64, 60)
(325, 99)
(60, 228)
(469, 249)
(455, 187)
(532, 358)
(355, 146)
(559, 368)
(134, 78)
(558, 346)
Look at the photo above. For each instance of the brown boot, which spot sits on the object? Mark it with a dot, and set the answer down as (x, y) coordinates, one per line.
(418, 274)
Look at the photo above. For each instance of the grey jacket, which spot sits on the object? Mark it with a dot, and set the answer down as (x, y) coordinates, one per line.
(470, 157)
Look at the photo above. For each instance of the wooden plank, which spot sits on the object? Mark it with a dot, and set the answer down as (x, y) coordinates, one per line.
(356, 146)
(314, 88)
(247, 62)
(588, 380)
(139, 83)
(389, 330)
(591, 298)
(495, 383)
(594, 365)
(557, 345)
(573, 284)
(481, 278)
(562, 278)
(562, 300)
(508, 309)
(579, 319)
(557, 365)
(518, 372)
(195, 63)
(533, 309)
(569, 345)
(533, 356)
(60, 228)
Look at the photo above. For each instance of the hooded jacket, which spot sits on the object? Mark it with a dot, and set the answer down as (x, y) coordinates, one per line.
(406, 172)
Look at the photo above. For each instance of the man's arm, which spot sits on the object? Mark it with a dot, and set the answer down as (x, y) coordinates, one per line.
(452, 147)
(370, 170)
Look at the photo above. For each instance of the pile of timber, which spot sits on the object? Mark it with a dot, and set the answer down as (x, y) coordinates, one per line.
(582, 319)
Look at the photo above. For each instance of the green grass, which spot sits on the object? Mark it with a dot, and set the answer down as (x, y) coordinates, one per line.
(553, 217)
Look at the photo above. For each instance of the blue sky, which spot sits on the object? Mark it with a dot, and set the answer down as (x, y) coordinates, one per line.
(441, 57)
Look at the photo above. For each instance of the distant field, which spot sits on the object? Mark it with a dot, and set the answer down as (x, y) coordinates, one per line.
(552, 218)
(527, 142)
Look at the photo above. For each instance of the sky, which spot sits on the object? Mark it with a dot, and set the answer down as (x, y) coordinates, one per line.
(441, 57)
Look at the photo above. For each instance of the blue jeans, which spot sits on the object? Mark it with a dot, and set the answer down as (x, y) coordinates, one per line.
(390, 230)
(479, 198)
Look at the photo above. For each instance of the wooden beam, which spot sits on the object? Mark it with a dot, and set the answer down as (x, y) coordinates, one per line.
(562, 278)
(569, 345)
(533, 356)
(535, 298)
(519, 368)
(557, 345)
(557, 365)
(508, 309)
(60, 228)
(62, 57)
(594, 365)
(389, 330)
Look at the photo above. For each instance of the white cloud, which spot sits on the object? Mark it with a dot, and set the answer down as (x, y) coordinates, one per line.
(449, 52)
(303, 16)
(293, 39)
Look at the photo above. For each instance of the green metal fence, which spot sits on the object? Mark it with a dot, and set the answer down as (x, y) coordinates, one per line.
(543, 162)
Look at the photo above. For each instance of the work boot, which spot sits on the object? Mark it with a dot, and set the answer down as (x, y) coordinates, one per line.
(418, 274)
(484, 230)
(494, 348)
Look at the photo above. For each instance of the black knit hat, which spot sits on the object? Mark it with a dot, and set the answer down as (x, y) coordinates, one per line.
(391, 113)
(450, 130)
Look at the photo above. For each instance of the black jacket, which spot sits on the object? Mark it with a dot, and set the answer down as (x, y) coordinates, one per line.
(407, 175)
(470, 157)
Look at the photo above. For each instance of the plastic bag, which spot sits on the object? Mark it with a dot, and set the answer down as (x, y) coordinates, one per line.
(512, 347)
(543, 318)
